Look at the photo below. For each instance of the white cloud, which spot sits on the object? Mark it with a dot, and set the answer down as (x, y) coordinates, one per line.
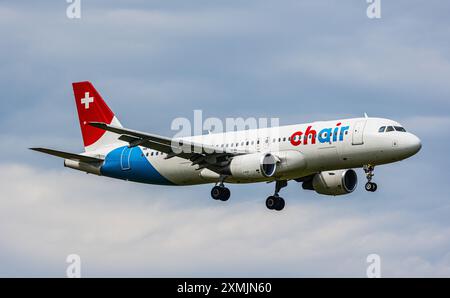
(124, 229)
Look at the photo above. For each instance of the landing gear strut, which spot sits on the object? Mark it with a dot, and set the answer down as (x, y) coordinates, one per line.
(370, 186)
(220, 192)
(276, 202)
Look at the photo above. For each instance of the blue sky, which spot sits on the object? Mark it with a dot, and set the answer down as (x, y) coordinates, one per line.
(157, 60)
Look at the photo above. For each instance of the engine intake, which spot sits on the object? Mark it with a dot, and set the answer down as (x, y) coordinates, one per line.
(333, 183)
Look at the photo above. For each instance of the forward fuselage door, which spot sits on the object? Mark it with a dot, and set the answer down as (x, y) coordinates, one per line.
(358, 132)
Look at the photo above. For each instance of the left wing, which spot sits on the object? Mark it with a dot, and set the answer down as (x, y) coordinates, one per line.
(205, 156)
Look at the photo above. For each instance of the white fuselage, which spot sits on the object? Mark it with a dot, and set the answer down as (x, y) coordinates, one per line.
(343, 144)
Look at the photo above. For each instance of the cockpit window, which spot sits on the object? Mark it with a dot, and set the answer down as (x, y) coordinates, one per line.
(389, 128)
(382, 129)
(399, 128)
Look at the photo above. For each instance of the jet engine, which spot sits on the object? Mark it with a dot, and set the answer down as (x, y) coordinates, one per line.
(253, 166)
(333, 183)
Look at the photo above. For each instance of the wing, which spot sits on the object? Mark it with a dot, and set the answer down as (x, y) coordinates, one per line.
(205, 156)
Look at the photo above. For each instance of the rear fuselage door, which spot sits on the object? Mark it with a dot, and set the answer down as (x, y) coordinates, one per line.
(358, 132)
(125, 157)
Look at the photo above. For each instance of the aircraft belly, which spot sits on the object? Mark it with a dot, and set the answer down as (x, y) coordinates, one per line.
(178, 170)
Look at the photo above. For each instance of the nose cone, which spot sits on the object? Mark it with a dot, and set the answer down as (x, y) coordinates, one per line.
(413, 144)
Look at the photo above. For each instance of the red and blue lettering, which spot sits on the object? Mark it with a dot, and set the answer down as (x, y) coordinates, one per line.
(326, 135)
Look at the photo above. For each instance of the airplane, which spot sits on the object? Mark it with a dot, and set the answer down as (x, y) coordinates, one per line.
(320, 155)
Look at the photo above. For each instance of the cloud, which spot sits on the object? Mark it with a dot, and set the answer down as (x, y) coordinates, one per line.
(153, 61)
(124, 229)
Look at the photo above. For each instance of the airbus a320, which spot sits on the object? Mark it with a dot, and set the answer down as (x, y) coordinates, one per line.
(319, 155)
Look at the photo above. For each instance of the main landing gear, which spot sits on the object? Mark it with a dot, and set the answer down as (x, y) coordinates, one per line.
(220, 192)
(276, 202)
(370, 186)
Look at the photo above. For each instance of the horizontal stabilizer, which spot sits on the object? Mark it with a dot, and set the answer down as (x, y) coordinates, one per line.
(67, 155)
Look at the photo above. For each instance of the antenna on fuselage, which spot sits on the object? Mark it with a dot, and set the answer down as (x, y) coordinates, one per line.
(365, 115)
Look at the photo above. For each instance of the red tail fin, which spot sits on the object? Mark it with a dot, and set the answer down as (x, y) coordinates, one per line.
(92, 108)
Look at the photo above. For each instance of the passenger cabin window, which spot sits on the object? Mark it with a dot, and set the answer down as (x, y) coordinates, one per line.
(382, 129)
(399, 128)
(389, 128)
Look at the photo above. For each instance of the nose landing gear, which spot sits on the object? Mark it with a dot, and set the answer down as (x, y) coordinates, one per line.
(370, 186)
(276, 202)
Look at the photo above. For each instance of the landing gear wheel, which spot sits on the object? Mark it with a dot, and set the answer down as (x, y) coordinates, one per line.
(225, 194)
(280, 204)
(271, 202)
(370, 186)
(215, 192)
(275, 203)
(220, 193)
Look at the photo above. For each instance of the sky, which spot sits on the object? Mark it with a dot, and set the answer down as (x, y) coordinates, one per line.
(154, 61)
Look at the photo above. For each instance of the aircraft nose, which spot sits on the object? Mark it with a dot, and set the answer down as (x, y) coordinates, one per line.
(414, 144)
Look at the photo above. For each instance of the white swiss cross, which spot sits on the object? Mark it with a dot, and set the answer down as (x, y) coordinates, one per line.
(86, 100)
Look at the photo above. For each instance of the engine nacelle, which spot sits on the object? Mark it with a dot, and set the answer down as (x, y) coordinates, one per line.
(333, 183)
(253, 166)
(291, 164)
